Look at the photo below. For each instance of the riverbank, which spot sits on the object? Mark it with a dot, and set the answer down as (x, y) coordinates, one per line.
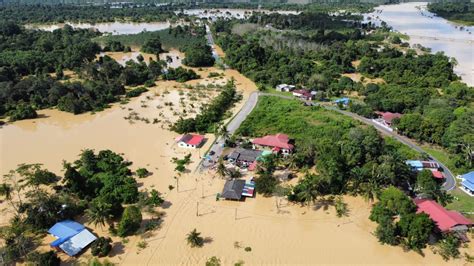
(431, 31)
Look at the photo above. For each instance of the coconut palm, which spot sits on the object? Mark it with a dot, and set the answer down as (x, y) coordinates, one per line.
(370, 190)
(195, 239)
(221, 169)
(309, 194)
(99, 213)
(223, 132)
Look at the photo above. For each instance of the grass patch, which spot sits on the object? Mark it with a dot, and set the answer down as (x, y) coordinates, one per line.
(276, 115)
(404, 150)
(462, 203)
(444, 157)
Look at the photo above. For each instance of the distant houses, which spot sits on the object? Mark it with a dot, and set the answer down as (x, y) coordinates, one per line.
(190, 141)
(72, 237)
(447, 221)
(285, 88)
(279, 143)
(467, 184)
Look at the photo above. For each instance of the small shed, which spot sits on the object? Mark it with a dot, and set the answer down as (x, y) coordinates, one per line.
(233, 189)
(344, 101)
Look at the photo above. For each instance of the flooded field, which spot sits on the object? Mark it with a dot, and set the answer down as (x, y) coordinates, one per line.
(114, 28)
(214, 14)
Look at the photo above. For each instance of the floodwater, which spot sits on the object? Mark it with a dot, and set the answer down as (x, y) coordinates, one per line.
(114, 28)
(214, 14)
(434, 32)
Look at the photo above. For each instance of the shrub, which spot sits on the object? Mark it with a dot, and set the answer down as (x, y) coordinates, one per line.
(136, 92)
(213, 261)
(101, 247)
(45, 259)
(449, 247)
(130, 222)
(22, 111)
(142, 172)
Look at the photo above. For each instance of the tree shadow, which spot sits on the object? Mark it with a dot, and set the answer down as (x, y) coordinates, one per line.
(166, 204)
(208, 240)
(117, 249)
(324, 203)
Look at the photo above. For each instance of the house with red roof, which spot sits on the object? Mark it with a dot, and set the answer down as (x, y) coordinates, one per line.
(386, 118)
(303, 94)
(437, 174)
(447, 221)
(279, 143)
(190, 141)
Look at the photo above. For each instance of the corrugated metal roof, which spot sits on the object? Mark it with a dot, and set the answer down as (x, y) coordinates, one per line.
(78, 242)
(65, 229)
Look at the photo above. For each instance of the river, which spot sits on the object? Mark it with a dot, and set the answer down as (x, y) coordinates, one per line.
(431, 31)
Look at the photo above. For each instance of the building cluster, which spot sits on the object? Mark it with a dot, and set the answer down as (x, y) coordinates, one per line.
(432, 166)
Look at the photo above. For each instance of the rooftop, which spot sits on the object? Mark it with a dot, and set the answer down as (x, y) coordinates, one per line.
(192, 139)
(388, 116)
(247, 155)
(468, 180)
(443, 218)
(279, 140)
(233, 189)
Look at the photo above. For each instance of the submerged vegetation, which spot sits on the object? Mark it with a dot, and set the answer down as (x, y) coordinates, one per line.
(457, 11)
(210, 114)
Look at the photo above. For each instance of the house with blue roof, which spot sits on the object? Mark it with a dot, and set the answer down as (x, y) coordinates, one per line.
(415, 165)
(71, 237)
(467, 184)
(344, 101)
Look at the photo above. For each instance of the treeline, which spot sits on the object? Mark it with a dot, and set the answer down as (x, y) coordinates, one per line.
(98, 186)
(43, 13)
(458, 11)
(211, 114)
(267, 62)
(27, 52)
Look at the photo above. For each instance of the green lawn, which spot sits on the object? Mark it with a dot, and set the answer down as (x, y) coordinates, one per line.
(276, 115)
(462, 203)
(444, 157)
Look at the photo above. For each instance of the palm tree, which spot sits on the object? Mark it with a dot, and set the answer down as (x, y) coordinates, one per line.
(309, 194)
(223, 132)
(99, 213)
(370, 190)
(221, 169)
(195, 239)
(292, 162)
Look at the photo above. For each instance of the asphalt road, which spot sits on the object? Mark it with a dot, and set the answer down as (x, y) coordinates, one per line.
(234, 124)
